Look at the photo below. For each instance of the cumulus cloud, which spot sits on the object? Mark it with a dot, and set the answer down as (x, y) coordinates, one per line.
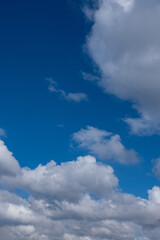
(78, 200)
(8, 164)
(54, 181)
(124, 42)
(105, 145)
(154, 194)
(75, 97)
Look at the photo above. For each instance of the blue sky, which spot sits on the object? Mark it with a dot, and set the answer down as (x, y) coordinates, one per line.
(63, 41)
(48, 41)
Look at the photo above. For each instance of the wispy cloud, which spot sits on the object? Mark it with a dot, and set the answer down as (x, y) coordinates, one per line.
(75, 97)
(156, 167)
(2, 133)
(105, 145)
(91, 77)
(60, 125)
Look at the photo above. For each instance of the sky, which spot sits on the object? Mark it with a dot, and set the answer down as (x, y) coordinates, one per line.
(80, 120)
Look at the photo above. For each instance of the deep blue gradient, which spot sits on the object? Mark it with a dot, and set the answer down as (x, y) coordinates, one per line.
(42, 39)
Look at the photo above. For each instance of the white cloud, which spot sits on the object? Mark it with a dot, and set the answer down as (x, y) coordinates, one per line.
(78, 200)
(156, 167)
(75, 97)
(106, 145)
(54, 181)
(73, 237)
(126, 4)
(154, 194)
(125, 44)
(8, 164)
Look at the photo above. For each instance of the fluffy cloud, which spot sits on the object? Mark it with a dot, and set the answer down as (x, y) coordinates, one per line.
(154, 194)
(54, 181)
(76, 97)
(78, 200)
(125, 44)
(8, 164)
(106, 145)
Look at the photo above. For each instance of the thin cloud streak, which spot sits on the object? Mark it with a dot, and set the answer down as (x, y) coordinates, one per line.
(75, 97)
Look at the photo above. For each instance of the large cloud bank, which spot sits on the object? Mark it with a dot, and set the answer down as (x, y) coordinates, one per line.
(77, 200)
(125, 44)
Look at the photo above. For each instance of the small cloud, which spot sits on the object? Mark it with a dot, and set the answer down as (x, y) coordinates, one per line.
(156, 167)
(142, 126)
(2, 133)
(90, 77)
(52, 85)
(60, 125)
(75, 97)
(105, 145)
